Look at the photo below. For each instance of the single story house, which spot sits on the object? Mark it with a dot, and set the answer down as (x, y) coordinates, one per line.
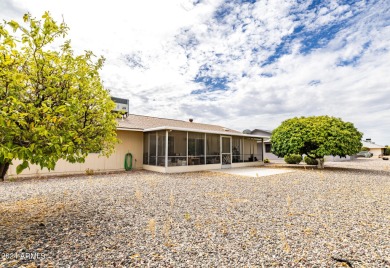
(266, 144)
(375, 149)
(166, 145)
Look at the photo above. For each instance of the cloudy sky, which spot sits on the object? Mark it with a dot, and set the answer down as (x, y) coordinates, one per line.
(240, 64)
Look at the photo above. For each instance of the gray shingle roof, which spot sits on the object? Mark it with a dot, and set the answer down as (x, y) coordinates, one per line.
(372, 145)
(142, 122)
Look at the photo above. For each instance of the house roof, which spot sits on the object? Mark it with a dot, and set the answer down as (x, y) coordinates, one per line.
(262, 132)
(148, 123)
(372, 145)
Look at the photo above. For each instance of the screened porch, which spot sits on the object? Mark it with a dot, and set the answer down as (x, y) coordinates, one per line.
(173, 148)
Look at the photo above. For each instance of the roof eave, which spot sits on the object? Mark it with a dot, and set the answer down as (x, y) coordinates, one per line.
(130, 129)
(203, 131)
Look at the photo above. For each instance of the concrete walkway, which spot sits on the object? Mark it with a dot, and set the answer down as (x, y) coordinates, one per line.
(254, 171)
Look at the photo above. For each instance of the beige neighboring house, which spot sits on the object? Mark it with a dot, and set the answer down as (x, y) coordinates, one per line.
(375, 149)
(166, 145)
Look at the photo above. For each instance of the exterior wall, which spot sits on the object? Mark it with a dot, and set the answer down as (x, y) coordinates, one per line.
(179, 169)
(376, 151)
(131, 142)
(154, 168)
(193, 168)
(260, 151)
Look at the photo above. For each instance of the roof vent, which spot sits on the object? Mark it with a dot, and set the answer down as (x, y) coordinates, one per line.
(191, 120)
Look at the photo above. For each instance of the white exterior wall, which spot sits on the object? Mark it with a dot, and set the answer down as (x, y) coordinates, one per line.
(194, 168)
(247, 164)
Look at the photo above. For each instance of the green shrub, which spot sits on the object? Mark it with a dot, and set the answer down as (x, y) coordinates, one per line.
(310, 161)
(266, 160)
(387, 151)
(293, 159)
(89, 171)
(365, 149)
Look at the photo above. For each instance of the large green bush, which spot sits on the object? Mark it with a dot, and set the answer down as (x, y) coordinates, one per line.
(316, 136)
(365, 149)
(387, 151)
(293, 159)
(310, 161)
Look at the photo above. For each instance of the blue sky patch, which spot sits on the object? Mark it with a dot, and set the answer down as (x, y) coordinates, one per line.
(314, 82)
(210, 84)
(355, 59)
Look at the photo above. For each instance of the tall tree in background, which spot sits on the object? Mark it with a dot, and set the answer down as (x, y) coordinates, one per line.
(316, 136)
(52, 103)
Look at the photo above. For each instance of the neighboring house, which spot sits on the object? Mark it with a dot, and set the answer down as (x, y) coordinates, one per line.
(267, 147)
(375, 149)
(167, 145)
(267, 143)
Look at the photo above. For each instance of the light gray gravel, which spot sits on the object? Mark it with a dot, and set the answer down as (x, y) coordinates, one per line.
(306, 218)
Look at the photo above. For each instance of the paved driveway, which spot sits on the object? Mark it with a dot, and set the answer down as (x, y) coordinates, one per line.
(254, 171)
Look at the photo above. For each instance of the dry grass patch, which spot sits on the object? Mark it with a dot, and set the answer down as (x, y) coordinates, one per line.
(30, 211)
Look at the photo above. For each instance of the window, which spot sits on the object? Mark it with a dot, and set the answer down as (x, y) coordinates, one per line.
(250, 150)
(161, 136)
(146, 149)
(195, 148)
(177, 148)
(152, 148)
(212, 149)
(237, 149)
(268, 147)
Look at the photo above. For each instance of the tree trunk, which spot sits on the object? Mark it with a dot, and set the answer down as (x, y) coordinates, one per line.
(3, 170)
(321, 162)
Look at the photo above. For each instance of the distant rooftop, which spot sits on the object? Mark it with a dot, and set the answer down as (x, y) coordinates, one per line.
(149, 123)
(370, 144)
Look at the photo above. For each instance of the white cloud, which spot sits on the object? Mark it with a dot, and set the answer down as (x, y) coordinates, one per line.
(155, 49)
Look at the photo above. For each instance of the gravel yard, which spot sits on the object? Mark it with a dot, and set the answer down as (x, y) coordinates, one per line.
(329, 218)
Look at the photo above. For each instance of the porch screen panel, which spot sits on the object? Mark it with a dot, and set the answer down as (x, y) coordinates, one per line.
(161, 148)
(237, 149)
(152, 148)
(195, 148)
(146, 149)
(213, 149)
(177, 148)
(250, 151)
(260, 150)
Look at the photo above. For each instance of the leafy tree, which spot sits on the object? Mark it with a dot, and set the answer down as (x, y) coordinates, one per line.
(387, 150)
(316, 136)
(52, 103)
(364, 149)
